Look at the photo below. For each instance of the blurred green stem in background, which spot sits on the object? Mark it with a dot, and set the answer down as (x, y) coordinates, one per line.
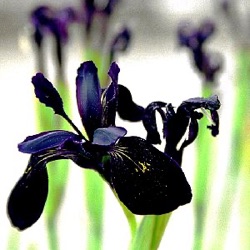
(205, 161)
(239, 135)
(58, 171)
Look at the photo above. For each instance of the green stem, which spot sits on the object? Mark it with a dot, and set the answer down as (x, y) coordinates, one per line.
(130, 218)
(244, 190)
(241, 112)
(204, 163)
(94, 192)
(150, 232)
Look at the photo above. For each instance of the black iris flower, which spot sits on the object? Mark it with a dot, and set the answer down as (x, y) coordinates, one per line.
(145, 179)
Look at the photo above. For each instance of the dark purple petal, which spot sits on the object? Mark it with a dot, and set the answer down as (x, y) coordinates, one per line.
(146, 180)
(109, 8)
(47, 94)
(187, 35)
(108, 136)
(210, 103)
(27, 199)
(114, 71)
(110, 98)
(121, 41)
(149, 121)
(41, 16)
(192, 133)
(214, 127)
(206, 29)
(175, 128)
(127, 109)
(53, 21)
(109, 105)
(88, 94)
(46, 140)
(209, 64)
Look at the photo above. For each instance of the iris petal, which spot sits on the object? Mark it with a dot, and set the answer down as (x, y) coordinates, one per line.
(108, 136)
(47, 94)
(35, 143)
(88, 93)
(146, 180)
(110, 98)
(149, 121)
(113, 72)
(27, 199)
(127, 109)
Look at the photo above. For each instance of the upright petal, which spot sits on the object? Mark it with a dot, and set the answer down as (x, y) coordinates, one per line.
(110, 97)
(88, 93)
(146, 180)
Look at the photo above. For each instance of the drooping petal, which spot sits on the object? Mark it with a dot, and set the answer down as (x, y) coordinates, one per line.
(149, 121)
(47, 94)
(146, 180)
(127, 109)
(27, 199)
(110, 97)
(42, 141)
(192, 133)
(108, 136)
(175, 127)
(211, 104)
(88, 93)
(214, 127)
